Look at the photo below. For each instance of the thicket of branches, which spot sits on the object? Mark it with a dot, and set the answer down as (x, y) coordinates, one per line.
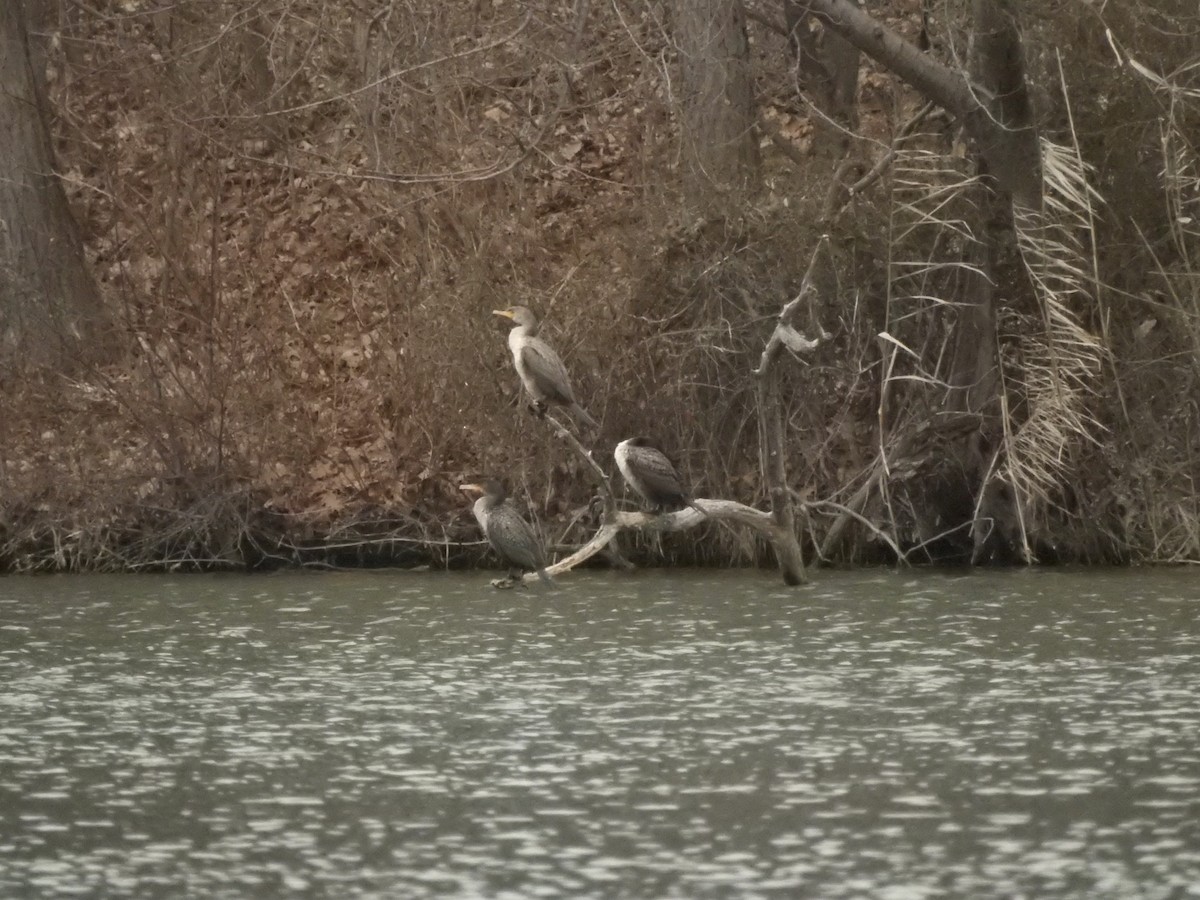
(301, 213)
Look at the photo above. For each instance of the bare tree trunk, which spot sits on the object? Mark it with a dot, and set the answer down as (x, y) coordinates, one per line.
(50, 309)
(974, 378)
(826, 67)
(720, 150)
(1010, 150)
(771, 430)
(1010, 162)
(995, 110)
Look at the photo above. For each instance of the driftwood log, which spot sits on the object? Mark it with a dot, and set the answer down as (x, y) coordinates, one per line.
(777, 525)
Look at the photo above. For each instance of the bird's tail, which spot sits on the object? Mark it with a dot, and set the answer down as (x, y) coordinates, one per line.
(581, 415)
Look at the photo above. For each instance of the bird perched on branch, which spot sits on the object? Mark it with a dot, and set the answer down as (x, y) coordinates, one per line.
(510, 536)
(647, 470)
(542, 372)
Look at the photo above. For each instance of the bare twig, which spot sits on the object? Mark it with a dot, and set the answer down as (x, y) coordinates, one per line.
(851, 510)
(901, 557)
(601, 477)
(905, 132)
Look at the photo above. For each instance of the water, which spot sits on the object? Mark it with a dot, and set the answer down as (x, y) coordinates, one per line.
(683, 735)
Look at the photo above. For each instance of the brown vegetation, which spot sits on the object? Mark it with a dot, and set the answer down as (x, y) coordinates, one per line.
(299, 215)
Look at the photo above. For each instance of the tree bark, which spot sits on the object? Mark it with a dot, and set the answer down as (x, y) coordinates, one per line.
(1009, 143)
(50, 311)
(771, 432)
(1010, 161)
(720, 150)
(828, 68)
(995, 110)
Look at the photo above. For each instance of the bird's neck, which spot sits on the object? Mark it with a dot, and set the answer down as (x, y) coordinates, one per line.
(517, 337)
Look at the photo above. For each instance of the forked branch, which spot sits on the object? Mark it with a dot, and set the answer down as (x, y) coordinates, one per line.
(714, 511)
(777, 525)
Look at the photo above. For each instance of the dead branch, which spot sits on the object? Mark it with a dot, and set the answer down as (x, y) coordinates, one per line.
(991, 114)
(601, 477)
(685, 519)
(852, 510)
(770, 423)
(840, 195)
(845, 511)
(778, 525)
(905, 132)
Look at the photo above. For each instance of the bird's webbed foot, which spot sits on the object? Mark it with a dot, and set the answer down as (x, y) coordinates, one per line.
(511, 581)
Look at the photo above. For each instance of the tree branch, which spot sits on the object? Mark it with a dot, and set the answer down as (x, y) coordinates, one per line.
(683, 520)
(601, 477)
(938, 82)
(770, 424)
(779, 525)
(982, 108)
(901, 557)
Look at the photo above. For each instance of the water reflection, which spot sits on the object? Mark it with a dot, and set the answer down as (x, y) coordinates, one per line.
(882, 735)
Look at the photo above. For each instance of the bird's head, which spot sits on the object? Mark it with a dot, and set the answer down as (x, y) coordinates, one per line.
(492, 489)
(521, 316)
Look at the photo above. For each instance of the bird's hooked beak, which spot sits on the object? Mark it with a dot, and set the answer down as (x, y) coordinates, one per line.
(471, 488)
(503, 313)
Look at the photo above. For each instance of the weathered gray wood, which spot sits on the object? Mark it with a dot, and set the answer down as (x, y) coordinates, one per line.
(50, 311)
(720, 148)
(777, 525)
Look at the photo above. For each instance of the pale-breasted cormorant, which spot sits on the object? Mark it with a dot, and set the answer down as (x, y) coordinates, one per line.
(542, 372)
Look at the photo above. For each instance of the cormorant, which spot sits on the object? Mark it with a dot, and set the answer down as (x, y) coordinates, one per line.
(650, 473)
(509, 534)
(541, 370)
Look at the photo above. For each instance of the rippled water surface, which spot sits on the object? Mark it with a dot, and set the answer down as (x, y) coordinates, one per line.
(681, 735)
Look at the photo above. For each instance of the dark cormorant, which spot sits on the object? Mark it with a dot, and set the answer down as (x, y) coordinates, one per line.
(510, 535)
(648, 471)
(541, 370)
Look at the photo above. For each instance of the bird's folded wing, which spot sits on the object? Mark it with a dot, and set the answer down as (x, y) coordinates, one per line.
(655, 470)
(544, 366)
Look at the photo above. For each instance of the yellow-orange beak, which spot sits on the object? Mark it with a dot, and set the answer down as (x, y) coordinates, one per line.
(503, 313)
(471, 488)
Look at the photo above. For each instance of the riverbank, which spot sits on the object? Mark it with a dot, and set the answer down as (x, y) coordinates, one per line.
(299, 259)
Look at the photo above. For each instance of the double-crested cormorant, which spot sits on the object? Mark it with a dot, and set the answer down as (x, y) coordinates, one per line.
(509, 534)
(650, 473)
(541, 370)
